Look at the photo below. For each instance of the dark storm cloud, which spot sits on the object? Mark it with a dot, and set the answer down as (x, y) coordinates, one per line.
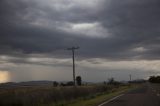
(134, 23)
(130, 23)
(28, 39)
(18, 35)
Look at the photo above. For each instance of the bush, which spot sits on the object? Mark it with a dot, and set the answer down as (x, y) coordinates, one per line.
(154, 79)
(79, 80)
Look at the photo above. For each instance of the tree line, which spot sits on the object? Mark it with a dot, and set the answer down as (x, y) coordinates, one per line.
(154, 79)
(70, 83)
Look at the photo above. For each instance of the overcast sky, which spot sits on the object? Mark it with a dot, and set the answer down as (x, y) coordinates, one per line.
(116, 38)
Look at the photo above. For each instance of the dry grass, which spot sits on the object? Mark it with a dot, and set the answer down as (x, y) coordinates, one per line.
(35, 96)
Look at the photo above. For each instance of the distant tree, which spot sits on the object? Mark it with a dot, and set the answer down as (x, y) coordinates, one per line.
(154, 79)
(55, 83)
(158, 79)
(104, 82)
(62, 84)
(70, 83)
(111, 80)
(79, 80)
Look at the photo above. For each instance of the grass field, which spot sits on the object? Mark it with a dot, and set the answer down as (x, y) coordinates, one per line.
(59, 96)
(97, 99)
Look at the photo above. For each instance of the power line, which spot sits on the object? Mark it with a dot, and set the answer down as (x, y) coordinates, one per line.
(73, 58)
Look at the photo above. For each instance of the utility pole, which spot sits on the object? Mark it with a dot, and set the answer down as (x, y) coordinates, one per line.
(73, 49)
(130, 77)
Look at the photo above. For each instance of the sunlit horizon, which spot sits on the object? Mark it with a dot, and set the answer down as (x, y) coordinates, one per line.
(4, 76)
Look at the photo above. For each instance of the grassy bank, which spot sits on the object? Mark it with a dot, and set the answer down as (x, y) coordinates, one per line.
(59, 96)
(94, 100)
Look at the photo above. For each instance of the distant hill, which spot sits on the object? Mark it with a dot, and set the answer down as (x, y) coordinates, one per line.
(26, 84)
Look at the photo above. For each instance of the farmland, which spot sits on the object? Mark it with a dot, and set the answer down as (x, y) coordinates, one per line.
(53, 96)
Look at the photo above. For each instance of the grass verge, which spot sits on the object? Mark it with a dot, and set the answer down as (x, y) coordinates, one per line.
(98, 98)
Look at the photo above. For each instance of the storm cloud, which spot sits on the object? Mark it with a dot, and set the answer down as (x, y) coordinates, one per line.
(39, 32)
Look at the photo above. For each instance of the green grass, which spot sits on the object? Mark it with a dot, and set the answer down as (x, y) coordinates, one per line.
(60, 96)
(94, 100)
(97, 99)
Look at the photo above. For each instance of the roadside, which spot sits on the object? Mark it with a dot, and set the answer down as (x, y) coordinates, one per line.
(62, 96)
(99, 98)
(146, 95)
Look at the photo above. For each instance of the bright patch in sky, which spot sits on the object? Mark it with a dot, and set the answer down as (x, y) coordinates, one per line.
(93, 30)
(139, 49)
(4, 76)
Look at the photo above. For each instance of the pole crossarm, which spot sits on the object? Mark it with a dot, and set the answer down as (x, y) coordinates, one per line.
(73, 48)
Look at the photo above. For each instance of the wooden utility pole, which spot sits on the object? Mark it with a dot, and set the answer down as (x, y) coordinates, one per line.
(73, 58)
(130, 77)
